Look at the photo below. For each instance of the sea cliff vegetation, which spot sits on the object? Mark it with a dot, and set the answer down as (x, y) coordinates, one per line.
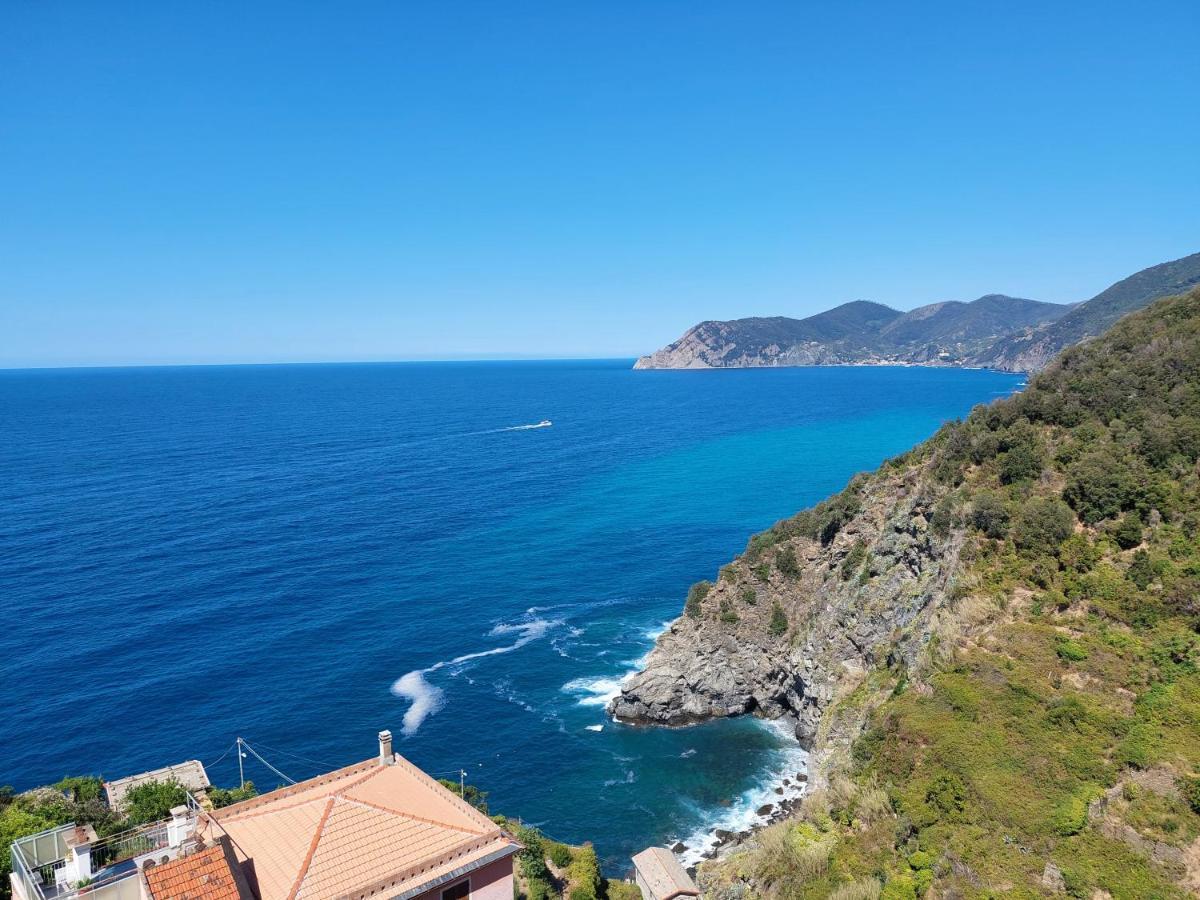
(1045, 737)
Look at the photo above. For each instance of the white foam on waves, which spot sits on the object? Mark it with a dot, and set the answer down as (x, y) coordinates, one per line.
(599, 689)
(743, 815)
(595, 691)
(425, 699)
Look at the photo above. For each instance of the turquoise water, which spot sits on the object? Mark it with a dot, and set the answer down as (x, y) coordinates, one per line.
(302, 555)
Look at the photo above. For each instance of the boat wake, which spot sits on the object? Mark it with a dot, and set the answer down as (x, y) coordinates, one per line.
(425, 699)
(545, 423)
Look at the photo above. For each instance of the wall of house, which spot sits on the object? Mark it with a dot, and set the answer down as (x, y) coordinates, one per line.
(492, 882)
(647, 894)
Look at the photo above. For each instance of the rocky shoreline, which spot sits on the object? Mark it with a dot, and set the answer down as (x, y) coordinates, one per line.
(779, 801)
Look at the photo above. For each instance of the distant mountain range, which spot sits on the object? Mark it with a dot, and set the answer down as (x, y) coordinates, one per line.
(995, 331)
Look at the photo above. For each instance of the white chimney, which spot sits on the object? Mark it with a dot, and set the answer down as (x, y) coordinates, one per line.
(385, 748)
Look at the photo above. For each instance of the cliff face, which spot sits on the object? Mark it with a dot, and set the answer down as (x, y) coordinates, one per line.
(992, 645)
(809, 608)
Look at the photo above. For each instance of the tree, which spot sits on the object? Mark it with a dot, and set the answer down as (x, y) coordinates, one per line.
(1043, 524)
(1128, 534)
(1023, 462)
(152, 801)
(990, 515)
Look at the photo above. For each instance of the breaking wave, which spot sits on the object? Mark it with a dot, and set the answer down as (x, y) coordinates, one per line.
(425, 699)
(743, 814)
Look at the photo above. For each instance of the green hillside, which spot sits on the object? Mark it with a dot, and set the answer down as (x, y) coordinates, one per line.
(1047, 740)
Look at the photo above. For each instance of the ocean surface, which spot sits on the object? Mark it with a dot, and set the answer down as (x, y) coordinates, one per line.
(304, 555)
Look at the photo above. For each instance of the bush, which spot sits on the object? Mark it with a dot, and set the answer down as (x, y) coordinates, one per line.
(854, 559)
(1024, 462)
(1190, 788)
(942, 519)
(584, 874)
(1070, 815)
(990, 515)
(728, 613)
(532, 856)
(779, 623)
(696, 594)
(748, 595)
(152, 801)
(1128, 534)
(1102, 484)
(1141, 570)
(899, 887)
(228, 796)
(559, 854)
(1043, 525)
(785, 562)
(1140, 747)
(1069, 650)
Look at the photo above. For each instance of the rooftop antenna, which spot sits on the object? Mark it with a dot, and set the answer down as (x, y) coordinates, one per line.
(241, 771)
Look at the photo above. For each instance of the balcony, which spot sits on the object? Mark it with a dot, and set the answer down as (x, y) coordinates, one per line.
(71, 862)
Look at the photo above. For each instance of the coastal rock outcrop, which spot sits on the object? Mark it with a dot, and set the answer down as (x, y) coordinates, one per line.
(813, 605)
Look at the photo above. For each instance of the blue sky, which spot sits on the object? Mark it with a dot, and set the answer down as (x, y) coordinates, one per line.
(219, 182)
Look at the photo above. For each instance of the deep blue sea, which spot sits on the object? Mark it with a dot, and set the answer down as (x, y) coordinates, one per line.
(303, 555)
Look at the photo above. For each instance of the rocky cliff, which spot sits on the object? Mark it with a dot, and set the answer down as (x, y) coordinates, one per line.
(809, 608)
(991, 645)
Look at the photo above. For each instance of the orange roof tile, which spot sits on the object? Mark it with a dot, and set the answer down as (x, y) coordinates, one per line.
(210, 874)
(357, 832)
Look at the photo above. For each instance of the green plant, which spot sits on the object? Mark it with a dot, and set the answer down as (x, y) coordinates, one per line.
(221, 797)
(695, 598)
(152, 801)
(584, 874)
(1069, 650)
(1043, 524)
(559, 854)
(748, 595)
(854, 559)
(785, 562)
(989, 514)
(1128, 533)
(778, 623)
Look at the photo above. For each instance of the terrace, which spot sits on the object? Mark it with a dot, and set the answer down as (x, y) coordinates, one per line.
(71, 862)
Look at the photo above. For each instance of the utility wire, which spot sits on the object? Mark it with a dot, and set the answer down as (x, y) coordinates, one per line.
(258, 756)
(223, 755)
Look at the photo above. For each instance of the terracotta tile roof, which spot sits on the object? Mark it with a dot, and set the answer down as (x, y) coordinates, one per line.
(663, 874)
(210, 874)
(357, 832)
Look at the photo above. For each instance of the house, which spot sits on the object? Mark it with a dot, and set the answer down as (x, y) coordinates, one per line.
(378, 829)
(659, 875)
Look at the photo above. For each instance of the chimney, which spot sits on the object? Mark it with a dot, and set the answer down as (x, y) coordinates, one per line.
(385, 748)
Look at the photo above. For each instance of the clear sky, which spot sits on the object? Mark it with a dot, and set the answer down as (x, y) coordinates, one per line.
(247, 181)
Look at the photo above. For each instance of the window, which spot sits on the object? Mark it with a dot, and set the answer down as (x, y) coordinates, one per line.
(460, 891)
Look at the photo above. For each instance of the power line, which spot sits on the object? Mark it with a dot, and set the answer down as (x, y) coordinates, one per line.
(258, 756)
(217, 761)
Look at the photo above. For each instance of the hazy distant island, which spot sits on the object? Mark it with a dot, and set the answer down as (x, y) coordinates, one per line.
(996, 331)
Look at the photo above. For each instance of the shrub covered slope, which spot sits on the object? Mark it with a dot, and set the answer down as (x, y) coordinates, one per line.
(1046, 740)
